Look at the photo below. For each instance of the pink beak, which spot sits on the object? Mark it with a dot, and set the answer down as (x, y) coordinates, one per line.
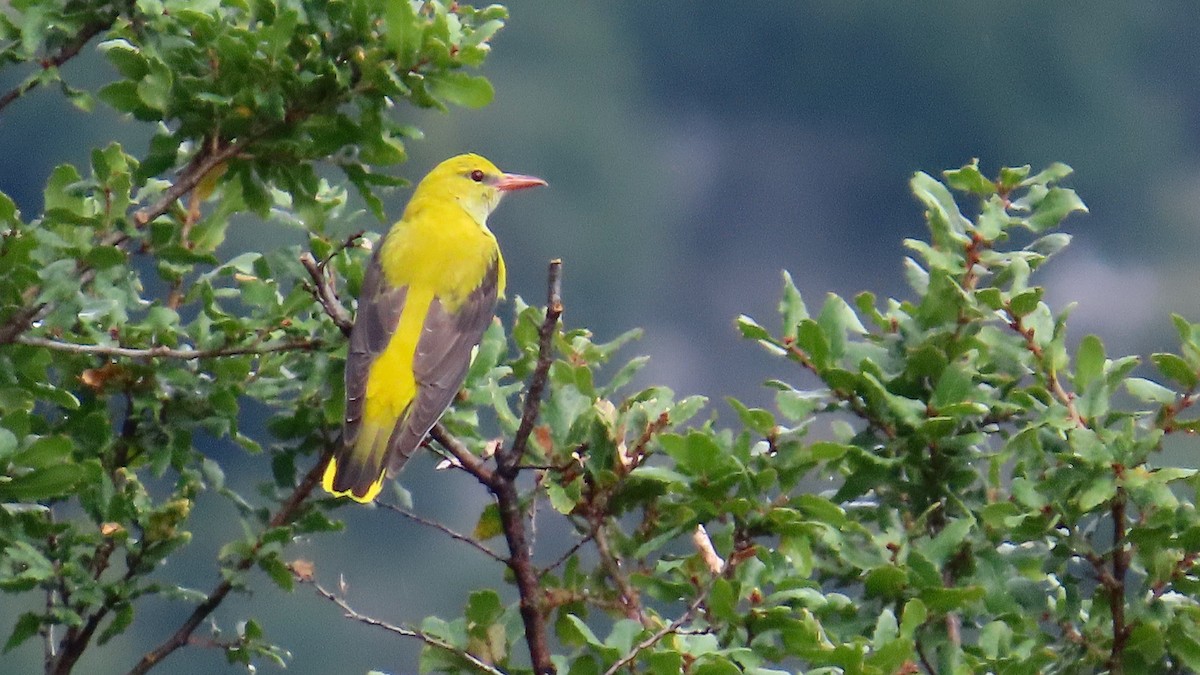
(515, 181)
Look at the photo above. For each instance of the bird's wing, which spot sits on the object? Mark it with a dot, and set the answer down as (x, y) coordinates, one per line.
(379, 308)
(441, 361)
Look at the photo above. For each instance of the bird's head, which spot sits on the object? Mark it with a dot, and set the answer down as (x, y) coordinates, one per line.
(474, 182)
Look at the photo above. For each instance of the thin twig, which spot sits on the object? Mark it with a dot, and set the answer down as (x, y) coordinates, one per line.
(1055, 385)
(287, 511)
(166, 352)
(631, 602)
(351, 613)
(508, 462)
(566, 555)
(453, 534)
(924, 659)
(670, 628)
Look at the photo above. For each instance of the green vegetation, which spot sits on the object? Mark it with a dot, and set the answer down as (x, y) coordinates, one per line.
(946, 484)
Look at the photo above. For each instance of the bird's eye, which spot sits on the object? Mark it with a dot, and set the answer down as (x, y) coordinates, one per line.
(477, 176)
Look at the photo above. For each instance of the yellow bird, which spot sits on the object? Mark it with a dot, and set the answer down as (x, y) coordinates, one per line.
(428, 294)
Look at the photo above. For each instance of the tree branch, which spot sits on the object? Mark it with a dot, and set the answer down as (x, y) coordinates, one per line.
(20, 321)
(508, 500)
(65, 53)
(166, 352)
(205, 160)
(325, 293)
(469, 461)
(287, 511)
(351, 613)
(507, 461)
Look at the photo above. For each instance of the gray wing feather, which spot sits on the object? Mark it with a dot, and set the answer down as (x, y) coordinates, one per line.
(379, 309)
(441, 362)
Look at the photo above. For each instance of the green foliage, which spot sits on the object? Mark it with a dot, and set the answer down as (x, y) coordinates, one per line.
(126, 337)
(945, 482)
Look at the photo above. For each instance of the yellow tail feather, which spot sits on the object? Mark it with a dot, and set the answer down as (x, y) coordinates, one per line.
(370, 495)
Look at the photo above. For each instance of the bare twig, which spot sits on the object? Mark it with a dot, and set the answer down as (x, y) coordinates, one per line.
(508, 461)
(924, 659)
(566, 555)
(457, 536)
(287, 511)
(669, 629)
(351, 613)
(166, 352)
(631, 602)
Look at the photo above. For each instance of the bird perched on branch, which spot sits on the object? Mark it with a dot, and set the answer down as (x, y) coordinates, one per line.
(428, 294)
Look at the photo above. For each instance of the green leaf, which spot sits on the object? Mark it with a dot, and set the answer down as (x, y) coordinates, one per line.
(459, 88)
(756, 419)
(1011, 176)
(1025, 302)
(946, 222)
(63, 192)
(42, 484)
(484, 607)
(278, 571)
(403, 30)
(722, 600)
(969, 179)
(1089, 361)
(488, 525)
(791, 307)
(914, 616)
(954, 386)
(26, 627)
(1051, 174)
(1096, 493)
(1176, 368)
(1148, 391)
(582, 631)
(1053, 208)
(121, 619)
(751, 329)
(952, 599)
(813, 343)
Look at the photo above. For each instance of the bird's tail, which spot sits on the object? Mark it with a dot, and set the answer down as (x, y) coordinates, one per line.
(357, 471)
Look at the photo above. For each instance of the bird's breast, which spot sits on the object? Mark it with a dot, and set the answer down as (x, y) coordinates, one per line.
(449, 254)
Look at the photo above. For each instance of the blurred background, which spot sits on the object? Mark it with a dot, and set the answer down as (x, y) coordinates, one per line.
(694, 150)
